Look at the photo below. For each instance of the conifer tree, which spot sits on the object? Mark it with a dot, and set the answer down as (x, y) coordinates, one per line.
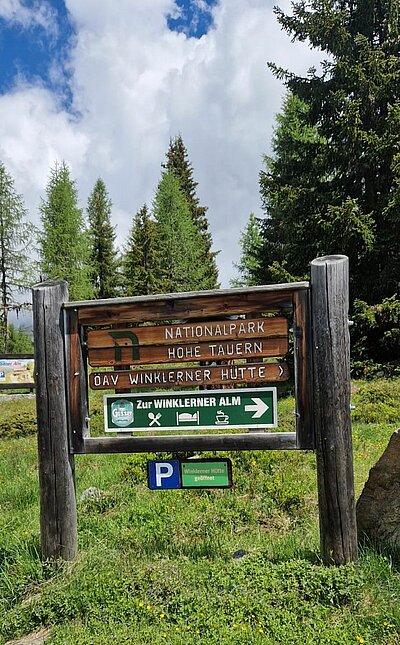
(64, 242)
(17, 241)
(104, 262)
(302, 219)
(250, 260)
(19, 340)
(179, 264)
(177, 162)
(344, 196)
(140, 261)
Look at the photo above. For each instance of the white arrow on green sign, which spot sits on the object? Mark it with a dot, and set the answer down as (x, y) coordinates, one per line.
(197, 410)
(259, 408)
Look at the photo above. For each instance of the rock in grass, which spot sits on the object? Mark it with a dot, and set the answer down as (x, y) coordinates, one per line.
(378, 508)
(238, 555)
(92, 493)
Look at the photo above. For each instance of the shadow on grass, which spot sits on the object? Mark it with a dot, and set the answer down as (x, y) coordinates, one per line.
(371, 547)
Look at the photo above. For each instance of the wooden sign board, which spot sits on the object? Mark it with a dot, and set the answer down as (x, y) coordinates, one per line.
(192, 332)
(149, 354)
(206, 341)
(189, 376)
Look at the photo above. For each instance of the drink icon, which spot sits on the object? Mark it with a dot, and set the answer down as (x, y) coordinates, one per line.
(221, 419)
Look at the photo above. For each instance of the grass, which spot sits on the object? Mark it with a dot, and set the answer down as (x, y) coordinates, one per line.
(236, 566)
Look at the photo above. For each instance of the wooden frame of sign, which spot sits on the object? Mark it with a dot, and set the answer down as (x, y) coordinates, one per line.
(201, 327)
(241, 325)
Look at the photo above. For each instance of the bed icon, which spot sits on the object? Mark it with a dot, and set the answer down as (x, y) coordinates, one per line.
(186, 417)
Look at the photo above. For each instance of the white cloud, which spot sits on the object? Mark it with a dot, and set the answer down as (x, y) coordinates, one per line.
(136, 84)
(34, 134)
(40, 14)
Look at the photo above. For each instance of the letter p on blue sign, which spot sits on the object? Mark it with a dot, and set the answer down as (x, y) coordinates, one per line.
(162, 475)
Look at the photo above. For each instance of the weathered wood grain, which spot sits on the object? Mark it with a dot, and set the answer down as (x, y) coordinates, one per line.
(173, 443)
(331, 357)
(187, 306)
(189, 353)
(58, 524)
(77, 381)
(303, 371)
(14, 357)
(189, 376)
(194, 332)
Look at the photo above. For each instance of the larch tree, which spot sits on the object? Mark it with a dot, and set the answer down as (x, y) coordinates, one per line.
(64, 241)
(141, 256)
(178, 163)
(103, 261)
(180, 257)
(17, 243)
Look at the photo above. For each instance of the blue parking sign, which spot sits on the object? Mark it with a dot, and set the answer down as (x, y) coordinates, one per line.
(162, 475)
(2, 375)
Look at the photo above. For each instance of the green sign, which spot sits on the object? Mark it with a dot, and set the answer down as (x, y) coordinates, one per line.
(212, 409)
(204, 473)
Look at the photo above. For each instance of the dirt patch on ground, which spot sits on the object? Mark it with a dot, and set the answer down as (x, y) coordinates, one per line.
(38, 638)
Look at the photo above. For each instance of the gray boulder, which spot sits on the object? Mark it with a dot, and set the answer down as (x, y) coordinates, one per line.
(378, 508)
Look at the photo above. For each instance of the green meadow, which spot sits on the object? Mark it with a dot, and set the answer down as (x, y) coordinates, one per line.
(238, 566)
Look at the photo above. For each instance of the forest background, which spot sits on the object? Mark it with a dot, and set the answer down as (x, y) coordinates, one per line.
(331, 185)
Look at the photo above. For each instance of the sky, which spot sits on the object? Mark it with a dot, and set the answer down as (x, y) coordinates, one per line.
(105, 85)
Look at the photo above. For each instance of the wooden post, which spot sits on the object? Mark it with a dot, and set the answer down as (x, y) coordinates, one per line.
(58, 524)
(76, 377)
(303, 370)
(331, 357)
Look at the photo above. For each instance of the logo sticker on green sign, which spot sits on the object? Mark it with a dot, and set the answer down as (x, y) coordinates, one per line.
(122, 413)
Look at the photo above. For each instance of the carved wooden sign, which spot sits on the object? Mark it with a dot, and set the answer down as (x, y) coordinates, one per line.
(185, 376)
(194, 342)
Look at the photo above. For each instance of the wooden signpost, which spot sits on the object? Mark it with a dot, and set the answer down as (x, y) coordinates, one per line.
(209, 340)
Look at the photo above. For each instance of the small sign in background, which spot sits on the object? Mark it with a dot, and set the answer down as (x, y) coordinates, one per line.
(16, 371)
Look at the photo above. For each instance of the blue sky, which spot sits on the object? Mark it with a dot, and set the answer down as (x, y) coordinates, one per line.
(29, 50)
(36, 53)
(195, 18)
(105, 84)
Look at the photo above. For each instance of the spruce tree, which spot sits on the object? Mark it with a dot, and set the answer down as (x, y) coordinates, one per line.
(250, 259)
(353, 105)
(140, 260)
(303, 219)
(103, 261)
(178, 163)
(17, 241)
(180, 257)
(64, 242)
